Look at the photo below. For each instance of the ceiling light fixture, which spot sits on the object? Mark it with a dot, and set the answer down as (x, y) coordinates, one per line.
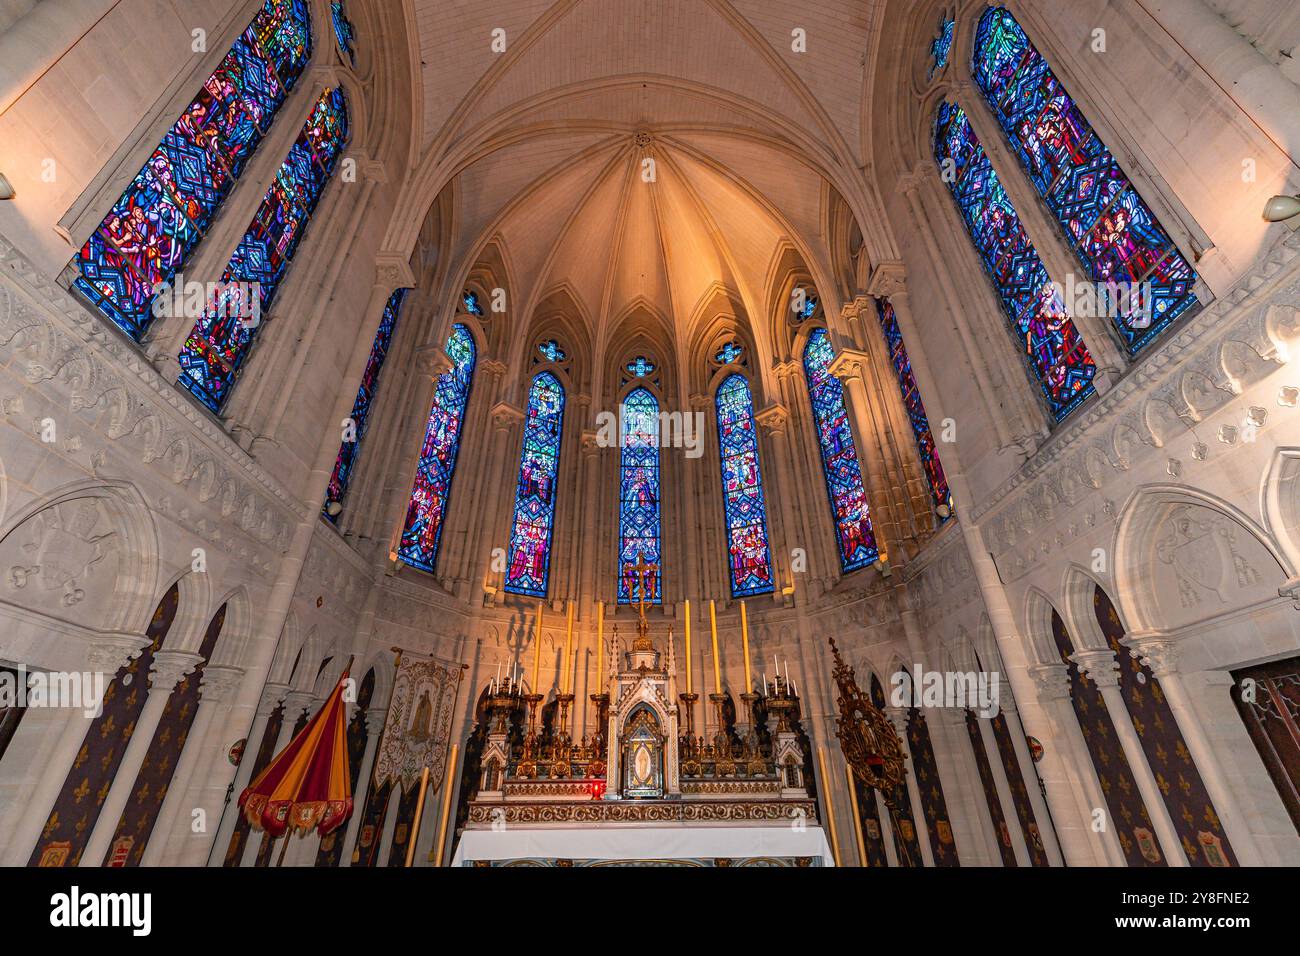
(1282, 208)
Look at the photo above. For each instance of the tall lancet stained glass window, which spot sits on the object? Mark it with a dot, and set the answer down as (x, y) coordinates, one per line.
(1112, 230)
(1051, 344)
(360, 417)
(427, 509)
(939, 493)
(748, 554)
(638, 499)
(135, 253)
(528, 561)
(849, 509)
(221, 339)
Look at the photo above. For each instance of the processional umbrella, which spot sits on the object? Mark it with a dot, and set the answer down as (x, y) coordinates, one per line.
(307, 785)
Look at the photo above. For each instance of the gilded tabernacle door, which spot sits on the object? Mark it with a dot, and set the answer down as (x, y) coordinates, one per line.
(643, 756)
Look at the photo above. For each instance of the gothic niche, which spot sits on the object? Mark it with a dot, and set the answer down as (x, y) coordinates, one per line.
(59, 558)
(1205, 563)
(642, 755)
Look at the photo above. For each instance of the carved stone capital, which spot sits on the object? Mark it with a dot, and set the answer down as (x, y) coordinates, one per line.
(590, 443)
(1156, 651)
(850, 364)
(1291, 589)
(296, 703)
(699, 401)
(169, 667)
(888, 279)
(432, 360)
(1051, 680)
(494, 367)
(1099, 664)
(272, 694)
(393, 271)
(220, 682)
(789, 369)
(774, 418)
(375, 718)
(898, 717)
(505, 416)
(109, 654)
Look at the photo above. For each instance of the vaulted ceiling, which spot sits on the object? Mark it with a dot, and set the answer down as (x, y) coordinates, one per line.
(642, 154)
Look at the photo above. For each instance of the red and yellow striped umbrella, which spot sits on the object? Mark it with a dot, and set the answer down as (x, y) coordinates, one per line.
(307, 784)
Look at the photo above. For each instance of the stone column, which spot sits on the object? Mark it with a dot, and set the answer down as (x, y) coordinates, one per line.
(980, 847)
(695, 499)
(272, 694)
(1029, 772)
(1080, 844)
(375, 718)
(505, 421)
(168, 668)
(1003, 785)
(898, 717)
(775, 420)
(215, 690)
(62, 741)
(590, 538)
(886, 828)
(1100, 665)
(1161, 655)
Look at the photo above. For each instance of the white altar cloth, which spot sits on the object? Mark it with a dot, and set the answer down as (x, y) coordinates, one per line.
(612, 842)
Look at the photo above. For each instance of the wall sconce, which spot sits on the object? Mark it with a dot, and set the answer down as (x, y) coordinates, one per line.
(1281, 208)
(6, 190)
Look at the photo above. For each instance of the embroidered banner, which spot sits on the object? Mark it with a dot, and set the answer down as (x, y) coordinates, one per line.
(418, 729)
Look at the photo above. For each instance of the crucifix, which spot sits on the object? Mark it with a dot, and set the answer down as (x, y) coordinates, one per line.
(640, 569)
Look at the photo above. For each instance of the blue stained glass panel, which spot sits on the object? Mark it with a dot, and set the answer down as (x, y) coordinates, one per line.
(344, 34)
(1112, 230)
(219, 342)
(749, 556)
(638, 512)
(529, 557)
(939, 493)
(348, 450)
(426, 510)
(850, 512)
(153, 227)
(942, 46)
(1051, 344)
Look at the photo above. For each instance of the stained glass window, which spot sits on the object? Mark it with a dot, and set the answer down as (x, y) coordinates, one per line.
(849, 509)
(748, 554)
(220, 340)
(939, 492)
(344, 35)
(553, 351)
(803, 303)
(1112, 230)
(729, 352)
(528, 561)
(427, 508)
(942, 46)
(1031, 301)
(342, 474)
(153, 227)
(638, 509)
(471, 303)
(641, 366)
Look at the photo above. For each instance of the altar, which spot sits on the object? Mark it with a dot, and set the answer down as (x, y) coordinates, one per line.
(644, 789)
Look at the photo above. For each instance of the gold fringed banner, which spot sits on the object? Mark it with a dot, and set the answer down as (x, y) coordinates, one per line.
(418, 729)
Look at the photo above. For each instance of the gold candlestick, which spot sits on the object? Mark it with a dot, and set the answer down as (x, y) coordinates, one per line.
(713, 627)
(688, 645)
(566, 665)
(744, 644)
(537, 653)
(600, 645)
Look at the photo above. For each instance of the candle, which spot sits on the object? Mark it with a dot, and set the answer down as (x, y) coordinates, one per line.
(600, 645)
(568, 647)
(744, 645)
(688, 645)
(713, 627)
(537, 654)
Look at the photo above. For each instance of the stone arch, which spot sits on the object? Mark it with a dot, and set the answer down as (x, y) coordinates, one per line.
(233, 646)
(1038, 611)
(1078, 588)
(194, 611)
(286, 650)
(1280, 503)
(86, 540)
(1184, 556)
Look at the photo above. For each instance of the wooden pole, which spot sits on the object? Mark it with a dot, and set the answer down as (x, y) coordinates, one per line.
(830, 806)
(446, 804)
(283, 848)
(419, 812)
(857, 816)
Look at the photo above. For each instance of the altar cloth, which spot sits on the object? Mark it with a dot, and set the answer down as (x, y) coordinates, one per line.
(781, 845)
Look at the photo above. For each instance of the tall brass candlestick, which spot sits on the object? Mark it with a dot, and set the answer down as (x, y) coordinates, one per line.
(567, 663)
(600, 645)
(688, 645)
(537, 654)
(744, 644)
(713, 627)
